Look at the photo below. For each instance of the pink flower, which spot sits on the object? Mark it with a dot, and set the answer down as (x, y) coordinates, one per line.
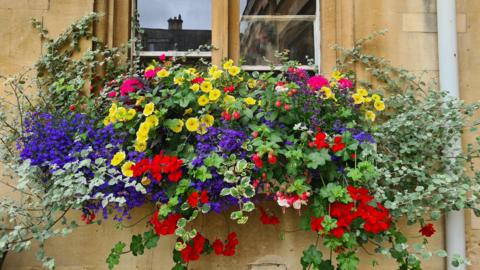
(112, 94)
(345, 83)
(317, 82)
(149, 74)
(162, 57)
(130, 86)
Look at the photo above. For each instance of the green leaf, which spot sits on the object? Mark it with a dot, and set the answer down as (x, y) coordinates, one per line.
(317, 158)
(113, 258)
(311, 256)
(136, 246)
(150, 239)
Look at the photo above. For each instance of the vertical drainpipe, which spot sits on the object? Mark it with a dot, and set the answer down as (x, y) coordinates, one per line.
(448, 67)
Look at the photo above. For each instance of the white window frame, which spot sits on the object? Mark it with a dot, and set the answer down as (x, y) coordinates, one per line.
(170, 53)
(315, 19)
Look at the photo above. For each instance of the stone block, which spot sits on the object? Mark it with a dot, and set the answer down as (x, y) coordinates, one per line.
(427, 22)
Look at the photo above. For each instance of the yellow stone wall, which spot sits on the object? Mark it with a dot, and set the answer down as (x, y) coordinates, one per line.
(411, 42)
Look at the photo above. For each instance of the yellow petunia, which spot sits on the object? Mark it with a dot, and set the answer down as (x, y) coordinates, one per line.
(206, 86)
(178, 80)
(192, 124)
(250, 101)
(376, 97)
(131, 114)
(118, 158)
(203, 100)
(144, 128)
(379, 105)
(357, 98)
(362, 91)
(195, 87)
(234, 70)
(214, 95)
(251, 83)
(228, 99)
(370, 115)
(152, 120)
(177, 126)
(149, 108)
(163, 73)
(208, 119)
(228, 64)
(140, 146)
(127, 169)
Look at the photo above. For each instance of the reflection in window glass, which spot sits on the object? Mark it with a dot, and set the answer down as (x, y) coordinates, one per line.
(276, 25)
(178, 25)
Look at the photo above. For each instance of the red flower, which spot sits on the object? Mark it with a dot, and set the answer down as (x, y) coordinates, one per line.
(338, 144)
(165, 227)
(427, 230)
(316, 224)
(130, 85)
(345, 83)
(192, 252)
(218, 247)
(320, 140)
(337, 232)
(161, 164)
(204, 197)
(359, 194)
(257, 160)
(193, 199)
(228, 89)
(266, 219)
(162, 57)
(232, 243)
(198, 80)
(175, 176)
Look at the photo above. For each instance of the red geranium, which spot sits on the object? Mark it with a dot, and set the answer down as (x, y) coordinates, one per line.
(192, 251)
(338, 144)
(160, 164)
(320, 142)
(193, 199)
(427, 230)
(217, 247)
(165, 227)
(204, 197)
(232, 243)
(268, 219)
(316, 224)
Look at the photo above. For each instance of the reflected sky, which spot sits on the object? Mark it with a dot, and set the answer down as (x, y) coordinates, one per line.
(196, 14)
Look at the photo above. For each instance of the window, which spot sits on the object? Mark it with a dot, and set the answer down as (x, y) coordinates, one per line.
(267, 26)
(175, 28)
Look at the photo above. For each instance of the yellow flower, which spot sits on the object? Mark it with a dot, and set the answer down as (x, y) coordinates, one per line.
(208, 119)
(367, 99)
(178, 80)
(362, 92)
(152, 120)
(250, 101)
(328, 92)
(206, 86)
(203, 100)
(212, 70)
(163, 73)
(131, 114)
(121, 114)
(149, 108)
(195, 87)
(188, 111)
(191, 71)
(217, 74)
(113, 109)
(192, 124)
(127, 169)
(214, 94)
(379, 105)
(251, 83)
(370, 115)
(176, 126)
(118, 158)
(228, 64)
(139, 101)
(357, 98)
(337, 75)
(234, 70)
(146, 181)
(140, 146)
(106, 121)
(144, 128)
(376, 97)
(229, 99)
(202, 129)
(150, 67)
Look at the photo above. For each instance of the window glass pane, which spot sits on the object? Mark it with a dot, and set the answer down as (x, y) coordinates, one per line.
(178, 25)
(267, 26)
(277, 7)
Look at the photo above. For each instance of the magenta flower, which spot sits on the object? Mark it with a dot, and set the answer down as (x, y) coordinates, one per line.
(345, 83)
(317, 82)
(149, 74)
(130, 86)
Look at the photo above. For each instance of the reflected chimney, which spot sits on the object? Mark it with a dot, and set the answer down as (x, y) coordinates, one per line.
(175, 23)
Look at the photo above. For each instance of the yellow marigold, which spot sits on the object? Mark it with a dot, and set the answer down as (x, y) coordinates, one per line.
(149, 108)
(131, 114)
(118, 158)
(192, 124)
(178, 80)
(208, 119)
(195, 87)
(228, 99)
(214, 95)
(228, 64)
(379, 105)
(251, 83)
(234, 70)
(357, 98)
(176, 126)
(203, 100)
(140, 146)
(370, 115)
(250, 101)
(376, 97)
(206, 86)
(163, 73)
(152, 120)
(362, 92)
(127, 169)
